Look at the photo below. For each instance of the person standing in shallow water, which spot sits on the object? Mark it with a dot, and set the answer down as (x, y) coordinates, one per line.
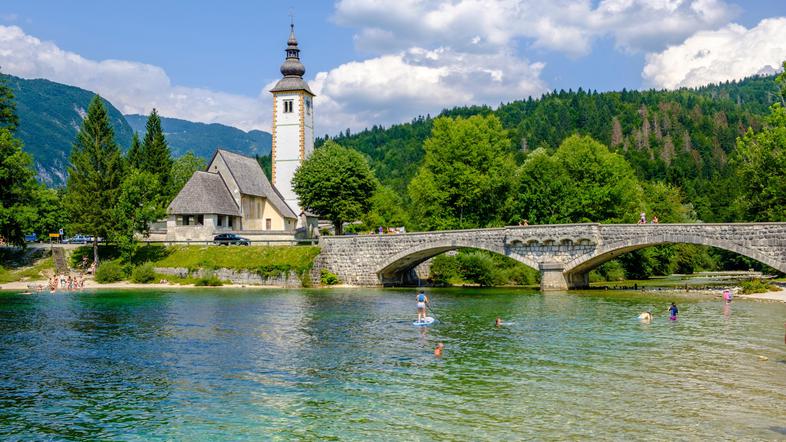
(422, 301)
(673, 310)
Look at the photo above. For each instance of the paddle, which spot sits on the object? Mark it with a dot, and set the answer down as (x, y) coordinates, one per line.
(433, 315)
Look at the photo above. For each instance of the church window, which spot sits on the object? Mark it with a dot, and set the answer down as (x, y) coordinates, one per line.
(288, 106)
(200, 220)
(308, 106)
(268, 223)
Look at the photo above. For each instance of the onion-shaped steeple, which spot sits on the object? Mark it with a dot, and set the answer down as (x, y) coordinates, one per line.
(292, 66)
(292, 69)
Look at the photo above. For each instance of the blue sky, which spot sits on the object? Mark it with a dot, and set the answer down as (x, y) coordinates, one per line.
(378, 62)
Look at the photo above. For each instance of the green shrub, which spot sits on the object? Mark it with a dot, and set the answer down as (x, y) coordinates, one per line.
(143, 274)
(757, 286)
(209, 280)
(477, 267)
(609, 271)
(326, 277)
(109, 271)
(443, 269)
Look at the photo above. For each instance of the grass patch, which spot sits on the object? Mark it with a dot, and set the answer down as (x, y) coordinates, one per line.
(174, 279)
(757, 286)
(266, 261)
(36, 271)
(143, 254)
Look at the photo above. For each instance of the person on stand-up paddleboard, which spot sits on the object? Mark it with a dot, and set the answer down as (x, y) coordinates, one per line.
(422, 302)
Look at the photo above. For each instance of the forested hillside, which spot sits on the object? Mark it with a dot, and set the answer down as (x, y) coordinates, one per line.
(203, 139)
(679, 137)
(49, 117)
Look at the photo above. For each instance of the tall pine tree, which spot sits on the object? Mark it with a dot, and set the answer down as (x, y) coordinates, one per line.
(134, 156)
(94, 176)
(156, 157)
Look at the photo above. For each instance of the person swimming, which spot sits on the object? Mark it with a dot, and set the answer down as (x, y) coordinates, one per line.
(438, 350)
(673, 310)
(646, 316)
(498, 322)
(422, 301)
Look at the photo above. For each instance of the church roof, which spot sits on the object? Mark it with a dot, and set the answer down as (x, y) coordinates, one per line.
(291, 84)
(204, 193)
(251, 180)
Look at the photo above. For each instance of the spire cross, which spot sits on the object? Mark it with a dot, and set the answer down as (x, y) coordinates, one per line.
(291, 18)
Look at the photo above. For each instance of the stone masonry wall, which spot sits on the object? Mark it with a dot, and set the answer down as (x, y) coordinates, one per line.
(572, 249)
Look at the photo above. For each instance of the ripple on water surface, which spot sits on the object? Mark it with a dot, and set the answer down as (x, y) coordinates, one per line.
(311, 364)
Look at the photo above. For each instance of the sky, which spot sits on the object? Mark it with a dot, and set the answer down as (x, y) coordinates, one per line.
(381, 62)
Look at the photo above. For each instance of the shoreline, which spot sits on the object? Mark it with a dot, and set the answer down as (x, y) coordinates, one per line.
(779, 296)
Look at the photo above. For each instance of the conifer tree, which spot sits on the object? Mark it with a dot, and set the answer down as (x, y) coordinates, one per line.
(8, 117)
(156, 157)
(134, 156)
(94, 176)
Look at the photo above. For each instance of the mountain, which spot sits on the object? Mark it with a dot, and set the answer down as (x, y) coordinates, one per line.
(49, 117)
(203, 139)
(682, 137)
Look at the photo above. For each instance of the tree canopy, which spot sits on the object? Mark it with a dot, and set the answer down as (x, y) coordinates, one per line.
(465, 176)
(94, 177)
(335, 183)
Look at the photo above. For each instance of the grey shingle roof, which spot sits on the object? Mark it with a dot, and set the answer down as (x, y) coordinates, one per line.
(251, 180)
(205, 192)
(291, 83)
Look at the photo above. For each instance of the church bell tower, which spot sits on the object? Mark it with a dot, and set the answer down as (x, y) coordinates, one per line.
(293, 123)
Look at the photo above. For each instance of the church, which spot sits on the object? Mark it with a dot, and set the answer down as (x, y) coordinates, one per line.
(233, 195)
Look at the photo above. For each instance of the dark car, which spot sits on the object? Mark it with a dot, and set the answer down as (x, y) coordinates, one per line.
(226, 239)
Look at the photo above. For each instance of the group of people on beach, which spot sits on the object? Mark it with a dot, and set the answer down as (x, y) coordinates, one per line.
(66, 282)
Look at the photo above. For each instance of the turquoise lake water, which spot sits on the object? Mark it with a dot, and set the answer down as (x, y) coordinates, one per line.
(347, 364)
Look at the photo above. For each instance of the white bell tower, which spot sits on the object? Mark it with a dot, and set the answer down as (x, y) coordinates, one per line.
(293, 123)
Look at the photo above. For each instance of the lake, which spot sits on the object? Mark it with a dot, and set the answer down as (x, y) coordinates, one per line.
(264, 364)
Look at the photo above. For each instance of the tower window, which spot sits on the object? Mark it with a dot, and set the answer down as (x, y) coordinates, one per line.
(288, 106)
(308, 106)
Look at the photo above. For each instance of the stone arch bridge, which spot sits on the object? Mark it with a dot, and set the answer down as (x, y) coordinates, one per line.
(564, 254)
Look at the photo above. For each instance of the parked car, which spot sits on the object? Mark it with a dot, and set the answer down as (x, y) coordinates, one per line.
(78, 239)
(32, 237)
(225, 239)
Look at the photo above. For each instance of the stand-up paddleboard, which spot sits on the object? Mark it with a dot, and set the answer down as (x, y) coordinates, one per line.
(425, 322)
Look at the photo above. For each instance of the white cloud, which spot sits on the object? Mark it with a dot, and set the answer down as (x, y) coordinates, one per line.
(393, 88)
(730, 53)
(131, 86)
(568, 26)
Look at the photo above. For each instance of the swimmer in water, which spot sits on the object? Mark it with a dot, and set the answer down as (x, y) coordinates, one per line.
(673, 312)
(498, 322)
(438, 350)
(727, 296)
(646, 317)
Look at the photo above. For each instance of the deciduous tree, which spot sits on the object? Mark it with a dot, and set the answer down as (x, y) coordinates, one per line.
(335, 183)
(466, 174)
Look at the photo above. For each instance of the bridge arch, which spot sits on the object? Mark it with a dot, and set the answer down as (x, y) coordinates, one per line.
(606, 252)
(395, 268)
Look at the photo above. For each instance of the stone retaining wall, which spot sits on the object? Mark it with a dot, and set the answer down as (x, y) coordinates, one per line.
(289, 280)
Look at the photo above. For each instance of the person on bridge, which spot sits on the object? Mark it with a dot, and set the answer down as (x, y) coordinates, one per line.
(422, 300)
(673, 312)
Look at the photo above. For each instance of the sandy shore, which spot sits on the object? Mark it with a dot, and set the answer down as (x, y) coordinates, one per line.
(90, 284)
(769, 296)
